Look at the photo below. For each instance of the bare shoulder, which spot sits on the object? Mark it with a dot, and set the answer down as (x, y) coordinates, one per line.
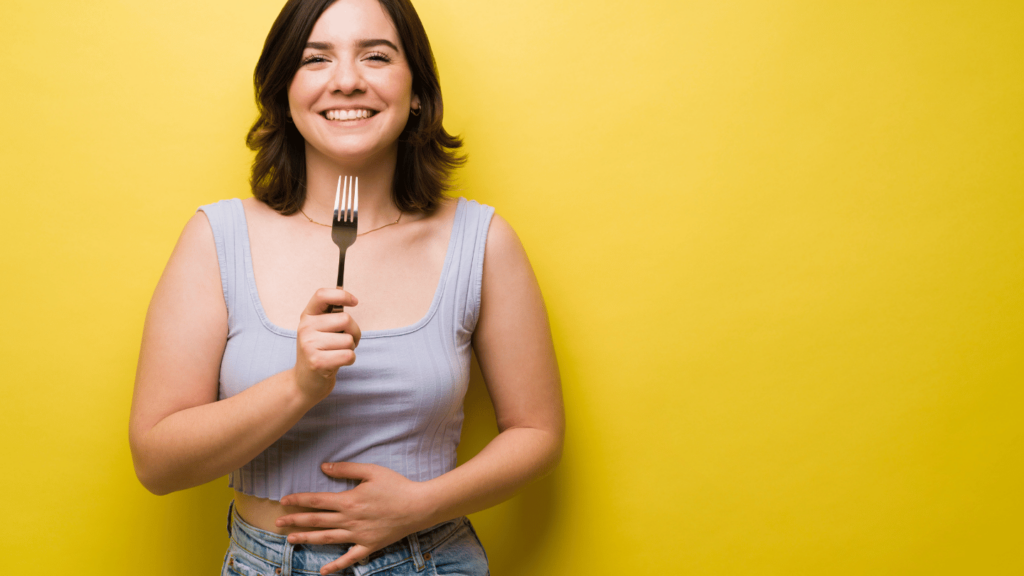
(191, 280)
(195, 247)
(504, 253)
(508, 277)
(195, 254)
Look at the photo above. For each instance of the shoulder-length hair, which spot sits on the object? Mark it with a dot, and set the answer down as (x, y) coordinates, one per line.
(426, 151)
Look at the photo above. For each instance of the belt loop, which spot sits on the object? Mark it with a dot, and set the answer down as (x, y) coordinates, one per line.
(231, 508)
(417, 555)
(286, 561)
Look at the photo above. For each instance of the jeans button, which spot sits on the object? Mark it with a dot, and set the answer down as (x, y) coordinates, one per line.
(364, 562)
(426, 556)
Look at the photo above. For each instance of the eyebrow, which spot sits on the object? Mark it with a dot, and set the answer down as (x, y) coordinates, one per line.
(368, 43)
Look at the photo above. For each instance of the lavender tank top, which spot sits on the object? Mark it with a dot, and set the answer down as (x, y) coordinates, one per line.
(399, 405)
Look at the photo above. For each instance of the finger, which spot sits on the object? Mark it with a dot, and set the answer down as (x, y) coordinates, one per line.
(310, 339)
(327, 362)
(350, 470)
(335, 341)
(333, 323)
(324, 297)
(337, 322)
(336, 536)
(354, 554)
(312, 520)
(320, 500)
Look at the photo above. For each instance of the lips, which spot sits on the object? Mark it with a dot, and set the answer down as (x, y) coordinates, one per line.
(347, 115)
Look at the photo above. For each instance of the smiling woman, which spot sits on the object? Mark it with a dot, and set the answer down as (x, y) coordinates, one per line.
(299, 43)
(338, 430)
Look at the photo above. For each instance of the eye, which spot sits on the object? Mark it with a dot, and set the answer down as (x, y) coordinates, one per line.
(378, 57)
(316, 59)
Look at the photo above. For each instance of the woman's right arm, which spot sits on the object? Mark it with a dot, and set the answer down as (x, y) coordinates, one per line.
(180, 435)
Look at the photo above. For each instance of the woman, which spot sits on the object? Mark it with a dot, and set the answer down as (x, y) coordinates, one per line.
(339, 429)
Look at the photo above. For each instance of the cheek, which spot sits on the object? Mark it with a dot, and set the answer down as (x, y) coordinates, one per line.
(301, 91)
(399, 87)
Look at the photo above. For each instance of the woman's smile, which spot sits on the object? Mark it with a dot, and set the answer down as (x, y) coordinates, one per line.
(348, 115)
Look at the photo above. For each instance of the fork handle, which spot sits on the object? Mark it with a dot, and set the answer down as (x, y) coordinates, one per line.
(331, 308)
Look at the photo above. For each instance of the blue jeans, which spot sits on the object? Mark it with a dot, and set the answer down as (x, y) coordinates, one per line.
(449, 548)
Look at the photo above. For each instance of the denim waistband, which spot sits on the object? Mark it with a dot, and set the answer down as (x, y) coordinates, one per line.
(276, 549)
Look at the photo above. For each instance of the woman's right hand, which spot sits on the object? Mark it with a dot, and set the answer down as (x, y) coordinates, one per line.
(325, 342)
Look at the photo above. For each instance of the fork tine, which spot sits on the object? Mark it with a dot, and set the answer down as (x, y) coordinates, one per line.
(348, 197)
(351, 190)
(337, 198)
(348, 202)
(355, 205)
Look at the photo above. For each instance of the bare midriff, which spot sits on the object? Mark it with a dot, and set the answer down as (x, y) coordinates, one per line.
(263, 513)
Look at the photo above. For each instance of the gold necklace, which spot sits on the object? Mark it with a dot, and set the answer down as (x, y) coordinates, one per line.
(397, 220)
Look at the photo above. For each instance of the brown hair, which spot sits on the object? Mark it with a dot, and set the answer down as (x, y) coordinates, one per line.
(426, 151)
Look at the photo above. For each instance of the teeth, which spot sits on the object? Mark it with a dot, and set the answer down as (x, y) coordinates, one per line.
(347, 114)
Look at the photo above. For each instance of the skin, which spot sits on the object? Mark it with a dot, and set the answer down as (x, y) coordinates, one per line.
(182, 436)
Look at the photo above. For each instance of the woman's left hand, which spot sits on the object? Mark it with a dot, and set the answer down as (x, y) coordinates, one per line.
(384, 508)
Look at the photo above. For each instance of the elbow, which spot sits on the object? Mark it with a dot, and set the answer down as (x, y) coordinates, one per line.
(148, 472)
(551, 454)
(150, 478)
(152, 482)
(155, 489)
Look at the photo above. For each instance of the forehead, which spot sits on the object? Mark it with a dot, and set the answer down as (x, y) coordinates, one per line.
(347, 21)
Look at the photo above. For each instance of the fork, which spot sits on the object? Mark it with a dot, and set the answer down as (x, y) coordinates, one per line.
(344, 224)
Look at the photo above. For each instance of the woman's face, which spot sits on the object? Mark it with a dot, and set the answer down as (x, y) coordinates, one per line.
(350, 97)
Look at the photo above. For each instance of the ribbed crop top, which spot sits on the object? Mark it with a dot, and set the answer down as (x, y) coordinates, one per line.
(399, 405)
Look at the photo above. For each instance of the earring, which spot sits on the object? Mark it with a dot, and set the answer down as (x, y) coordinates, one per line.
(414, 111)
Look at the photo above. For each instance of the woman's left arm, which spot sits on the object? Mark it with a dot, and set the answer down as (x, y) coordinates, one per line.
(517, 357)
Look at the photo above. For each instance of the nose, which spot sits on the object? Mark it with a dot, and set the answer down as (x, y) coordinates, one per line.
(347, 78)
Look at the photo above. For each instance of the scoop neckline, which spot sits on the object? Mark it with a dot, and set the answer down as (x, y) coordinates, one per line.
(254, 293)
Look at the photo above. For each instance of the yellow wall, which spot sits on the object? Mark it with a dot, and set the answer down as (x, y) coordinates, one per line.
(781, 244)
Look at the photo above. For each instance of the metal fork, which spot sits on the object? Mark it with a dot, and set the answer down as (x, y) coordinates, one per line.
(345, 223)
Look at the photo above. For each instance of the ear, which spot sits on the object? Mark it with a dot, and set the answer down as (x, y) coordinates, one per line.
(415, 102)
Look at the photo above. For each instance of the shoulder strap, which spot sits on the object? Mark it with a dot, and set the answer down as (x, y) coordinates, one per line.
(465, 276)
(227, 220)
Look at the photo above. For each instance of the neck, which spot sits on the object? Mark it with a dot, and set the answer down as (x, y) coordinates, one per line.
(376, 178)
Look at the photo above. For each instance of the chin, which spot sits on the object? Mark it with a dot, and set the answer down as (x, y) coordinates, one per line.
(355, 154)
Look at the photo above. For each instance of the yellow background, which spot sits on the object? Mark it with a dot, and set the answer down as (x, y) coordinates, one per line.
(781, 245)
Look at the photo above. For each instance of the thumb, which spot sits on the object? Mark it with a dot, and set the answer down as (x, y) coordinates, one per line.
(350, 470)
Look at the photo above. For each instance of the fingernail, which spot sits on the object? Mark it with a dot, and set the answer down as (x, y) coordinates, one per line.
(328, 466)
